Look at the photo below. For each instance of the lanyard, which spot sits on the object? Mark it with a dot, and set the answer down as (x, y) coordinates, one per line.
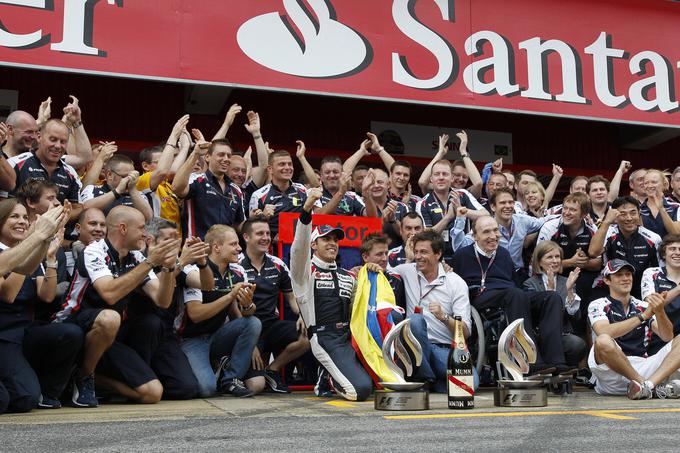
(420, 291)
(484, 271)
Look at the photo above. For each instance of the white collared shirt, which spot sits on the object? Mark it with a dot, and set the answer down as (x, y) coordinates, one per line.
(448, 289)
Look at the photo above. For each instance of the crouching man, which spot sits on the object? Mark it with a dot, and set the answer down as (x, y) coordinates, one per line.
(324, 293)
(623, 326)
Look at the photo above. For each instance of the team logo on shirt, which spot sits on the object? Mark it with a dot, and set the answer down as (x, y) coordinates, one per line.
(325, 284)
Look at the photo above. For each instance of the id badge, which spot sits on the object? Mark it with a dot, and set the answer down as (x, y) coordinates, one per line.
(445, 235)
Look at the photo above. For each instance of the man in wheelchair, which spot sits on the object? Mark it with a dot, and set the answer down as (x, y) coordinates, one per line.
(488, 271)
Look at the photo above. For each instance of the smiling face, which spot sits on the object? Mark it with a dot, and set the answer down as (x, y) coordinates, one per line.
(15, 227)
(571, 213)
(620, 282)
(487, 234)
(237, 170)
(675, 184)
(459, 177)
(672, 255)
(218, 159)
(551, 261)
(377, 255)
(52, 143)
(578, 185)
(24, 134)
(533, 196)
(523, 183)
(653, 184)
(379, 189)
(628, 218)
(427, 261)
(228, 250)
(92, 226)
(637, 182)
(504, 207)
(326, 247)
(281, 168)
(399, 178)
(330, 176)
(496, 181)
(259, 239)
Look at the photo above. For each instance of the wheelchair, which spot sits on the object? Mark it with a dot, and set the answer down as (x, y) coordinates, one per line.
(487, 327)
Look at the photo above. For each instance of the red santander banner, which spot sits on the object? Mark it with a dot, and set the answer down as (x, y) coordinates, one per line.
(609, 60)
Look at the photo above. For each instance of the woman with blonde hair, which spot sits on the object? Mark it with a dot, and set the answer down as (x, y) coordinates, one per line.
(657, 213)
(547, 266)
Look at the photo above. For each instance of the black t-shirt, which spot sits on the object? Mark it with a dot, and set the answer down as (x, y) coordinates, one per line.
(223, 285)
(272, 280)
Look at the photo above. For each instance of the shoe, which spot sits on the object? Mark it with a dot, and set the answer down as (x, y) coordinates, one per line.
(669, 389)
(323, 385)
(221, 366)
(47, 402)
(637, 391)
(274, 383)
(83, 392)
(235, 387)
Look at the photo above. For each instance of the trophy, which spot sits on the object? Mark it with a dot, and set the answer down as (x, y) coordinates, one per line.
(402, 353)
(516, 350)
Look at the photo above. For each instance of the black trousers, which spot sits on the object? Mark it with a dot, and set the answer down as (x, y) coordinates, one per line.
(4, 399)
(333, 349)
(156, 344)
(41, 365)
(542, 309)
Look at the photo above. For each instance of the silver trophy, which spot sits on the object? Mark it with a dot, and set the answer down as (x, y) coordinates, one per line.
(516, 350)
(402, 353)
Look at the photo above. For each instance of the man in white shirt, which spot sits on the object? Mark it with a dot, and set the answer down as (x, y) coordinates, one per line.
(433, 298)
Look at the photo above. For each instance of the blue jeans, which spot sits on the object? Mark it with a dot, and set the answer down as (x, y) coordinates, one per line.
(235, 339)
(435, 356)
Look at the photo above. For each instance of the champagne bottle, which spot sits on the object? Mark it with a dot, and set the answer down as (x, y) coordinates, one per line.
(459, 371)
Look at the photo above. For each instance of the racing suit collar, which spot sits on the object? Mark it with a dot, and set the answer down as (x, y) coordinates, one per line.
(318, 262)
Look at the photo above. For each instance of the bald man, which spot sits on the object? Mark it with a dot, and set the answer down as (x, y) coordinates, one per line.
(22, 133)
(108, 273)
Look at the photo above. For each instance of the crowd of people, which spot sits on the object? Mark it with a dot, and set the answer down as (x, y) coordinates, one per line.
(165, 284)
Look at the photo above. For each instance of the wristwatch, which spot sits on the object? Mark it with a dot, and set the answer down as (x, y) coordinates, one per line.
(446, 318)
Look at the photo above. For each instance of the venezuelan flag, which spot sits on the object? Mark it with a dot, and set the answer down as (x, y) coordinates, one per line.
(371, 320)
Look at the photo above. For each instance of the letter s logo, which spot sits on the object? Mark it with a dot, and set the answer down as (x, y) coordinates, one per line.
(325, 48)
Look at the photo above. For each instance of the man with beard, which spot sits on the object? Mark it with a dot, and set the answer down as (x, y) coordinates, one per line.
(411, 225)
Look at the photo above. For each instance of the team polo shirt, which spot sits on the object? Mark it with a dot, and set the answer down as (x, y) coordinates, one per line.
(432, 211)
(412, 201)
(290, 200)
(90, 192)
(206, 204)
(28, 166)
(98, 260)
(271, 280)
(554, 230)
(655, 224)
(18, 315)
(163, 200)
(640, 250)
(396, 256)
(350, 204)
(223, 284)
(597, 220)
(635, 342)
(655, 280)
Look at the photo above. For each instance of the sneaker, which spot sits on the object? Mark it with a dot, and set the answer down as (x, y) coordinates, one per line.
(221, 366)
(47, 402)
(323, 386)
(637, 391)
(83, 392)
(669, 389)
(235, 387)
(274, 382)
